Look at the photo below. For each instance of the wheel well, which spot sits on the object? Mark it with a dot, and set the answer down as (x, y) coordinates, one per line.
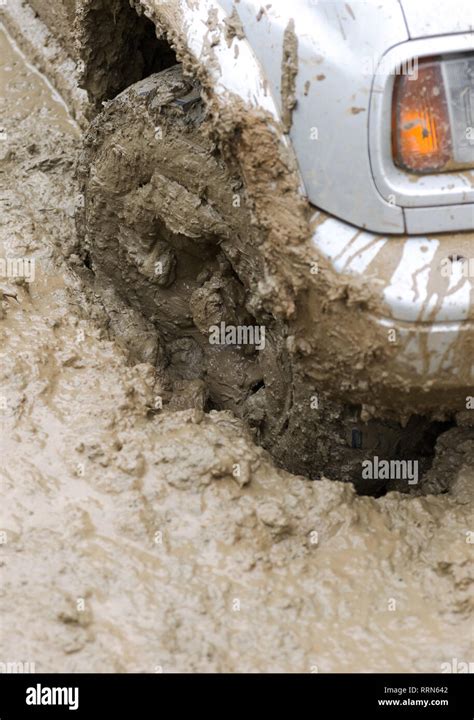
(118, 46)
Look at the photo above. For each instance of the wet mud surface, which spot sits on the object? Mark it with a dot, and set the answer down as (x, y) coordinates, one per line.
(135, 538)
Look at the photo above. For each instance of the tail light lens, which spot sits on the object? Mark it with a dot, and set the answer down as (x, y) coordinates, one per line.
(433, 117)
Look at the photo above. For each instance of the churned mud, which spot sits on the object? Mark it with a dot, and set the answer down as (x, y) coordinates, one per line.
(139, 532)
(192, 216)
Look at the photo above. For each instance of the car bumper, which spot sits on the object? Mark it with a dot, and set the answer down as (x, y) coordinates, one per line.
(415, 322)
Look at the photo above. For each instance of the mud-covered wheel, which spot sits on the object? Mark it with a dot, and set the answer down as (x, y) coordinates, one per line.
(167, 234)
(165, 228)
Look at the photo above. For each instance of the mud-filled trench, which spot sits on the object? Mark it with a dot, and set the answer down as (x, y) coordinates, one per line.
(143, 530)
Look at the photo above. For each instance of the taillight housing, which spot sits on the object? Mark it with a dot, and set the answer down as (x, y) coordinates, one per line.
(433, 116)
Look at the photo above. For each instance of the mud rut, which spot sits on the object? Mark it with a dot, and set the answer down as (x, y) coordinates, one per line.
(160, 521)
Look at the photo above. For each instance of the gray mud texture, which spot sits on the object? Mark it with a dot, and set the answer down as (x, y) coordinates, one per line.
(134, 538)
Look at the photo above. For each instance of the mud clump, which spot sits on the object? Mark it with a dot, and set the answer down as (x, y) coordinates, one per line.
(289, 74)
(454, 452)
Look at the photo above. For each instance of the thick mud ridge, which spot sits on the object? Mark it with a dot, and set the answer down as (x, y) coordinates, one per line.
(140, 539)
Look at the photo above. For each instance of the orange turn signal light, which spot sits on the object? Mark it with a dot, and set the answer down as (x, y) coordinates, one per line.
(421, 133)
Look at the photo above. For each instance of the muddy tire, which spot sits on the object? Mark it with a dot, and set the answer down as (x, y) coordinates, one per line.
(165, 230)
(172, 250)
